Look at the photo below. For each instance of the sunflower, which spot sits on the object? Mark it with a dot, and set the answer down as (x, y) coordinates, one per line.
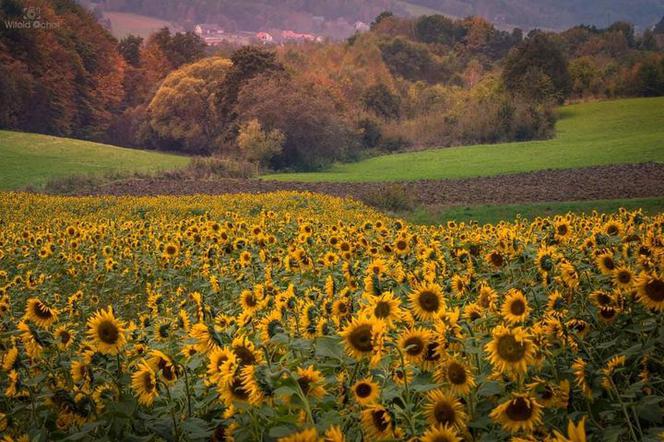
(385, 307)
(546, 258)
(650, 288)
(606, 263)
(427, 301)
(63, 337)
(361, 336)
(613, 228)
(607, 372)
(311, 382)
(246, 352)
(623, 277)
(440, 433)
(563, 230)
(365, 391)
(377, 423)
(163, 364)
(234, 390)
(579, 368)
(487, 297)
(307, 435)
(495, 258)
(510, 350)
(456, 376)
(515, 308)
(171, 250)
(9, 359)
(144, 384)
(106, 332)
(40, 313)
(334, 434)
(413, 343)
(271, 325)
(442, 409)
(205, 337)
(252, 384)
(575, 433)
(519, 413)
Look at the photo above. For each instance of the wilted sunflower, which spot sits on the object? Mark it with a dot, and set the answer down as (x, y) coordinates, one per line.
(440, 433)
(427, 301)
(311, 382)
(144, 384)
(650, 287)
(456, 376)
(40, 313)
(365, 391)
(443, 409)
(106, 332)
(515, 307)
(520, 413)
(510, 350)
(579, 368)
(377, 423)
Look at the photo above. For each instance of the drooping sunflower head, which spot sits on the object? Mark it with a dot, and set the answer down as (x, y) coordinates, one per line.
(144, 384)
(427, 301)
(377, 423)
(41, 314)
(106, 332)
(519, 413)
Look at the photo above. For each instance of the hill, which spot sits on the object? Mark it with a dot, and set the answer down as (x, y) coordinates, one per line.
(32, 159)
(588, 134)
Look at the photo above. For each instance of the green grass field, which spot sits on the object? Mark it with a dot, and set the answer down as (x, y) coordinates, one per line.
(32, 159)
(588, 134)
(491, 214)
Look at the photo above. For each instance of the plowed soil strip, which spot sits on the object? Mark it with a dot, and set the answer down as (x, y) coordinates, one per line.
(606, 182)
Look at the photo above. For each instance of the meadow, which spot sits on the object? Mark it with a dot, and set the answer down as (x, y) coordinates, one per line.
(297, 317)
(33, 159)
(587, 134)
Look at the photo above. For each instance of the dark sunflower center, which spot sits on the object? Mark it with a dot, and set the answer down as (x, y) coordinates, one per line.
(245, 355)
(624, 277)
(609, 264)
(170, 250)
(546, 262)
(108, 332)
(431, 354)
(519, 410)
(64, 337)
(360, 338)
(250, 300)
(603, 299)
(497, 259)
(440, 438)
(562, 230)
(382, 309)
(238, 390)
(444, 413)
(612, 230)
(655, 290)
(42, 311)
(429, 301)
(380, 421)
(305, 384)
(414, 345)
(148, 384)
(510, 349)
(401, 245)
(363, 390)
(456, 373)
(547, 393)
(518, 307)
(274, 327)
(607, 312)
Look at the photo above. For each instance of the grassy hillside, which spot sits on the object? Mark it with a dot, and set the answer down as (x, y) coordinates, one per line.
(588, 134)
(31, 159)
(124, 24)
(491, 214)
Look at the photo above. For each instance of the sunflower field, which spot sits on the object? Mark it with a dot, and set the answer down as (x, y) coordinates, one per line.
(300, 317)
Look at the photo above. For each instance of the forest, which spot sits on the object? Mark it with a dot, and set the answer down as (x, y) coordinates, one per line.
(408, 83)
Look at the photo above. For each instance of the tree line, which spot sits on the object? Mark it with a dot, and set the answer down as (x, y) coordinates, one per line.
(408, 83)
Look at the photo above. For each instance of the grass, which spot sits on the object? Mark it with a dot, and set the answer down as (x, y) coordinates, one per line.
(587, 134)
(491, 214)
(124, 24)
(32, 159)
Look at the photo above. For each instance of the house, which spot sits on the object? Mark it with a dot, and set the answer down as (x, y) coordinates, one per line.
(208, 30)
(291, 36)
(264, 37)
(360, 26)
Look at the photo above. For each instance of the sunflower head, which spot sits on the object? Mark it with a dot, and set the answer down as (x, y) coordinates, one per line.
(106, 332)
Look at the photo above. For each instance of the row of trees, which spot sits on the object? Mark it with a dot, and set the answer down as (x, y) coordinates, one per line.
(421, 82)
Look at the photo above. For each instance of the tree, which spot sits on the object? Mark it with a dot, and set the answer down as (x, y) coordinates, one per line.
(381, 101)
(382, 16)
(314, 126)
(130, 49)
(182, 109)
(438, 29)
(537, 52)
(411, 60)
(259, 146)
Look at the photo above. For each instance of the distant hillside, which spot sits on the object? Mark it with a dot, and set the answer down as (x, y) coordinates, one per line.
(553, 14)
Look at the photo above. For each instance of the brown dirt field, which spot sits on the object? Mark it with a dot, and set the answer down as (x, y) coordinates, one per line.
(606, 182)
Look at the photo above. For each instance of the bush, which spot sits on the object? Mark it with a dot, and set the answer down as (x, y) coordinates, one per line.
(393, 197)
